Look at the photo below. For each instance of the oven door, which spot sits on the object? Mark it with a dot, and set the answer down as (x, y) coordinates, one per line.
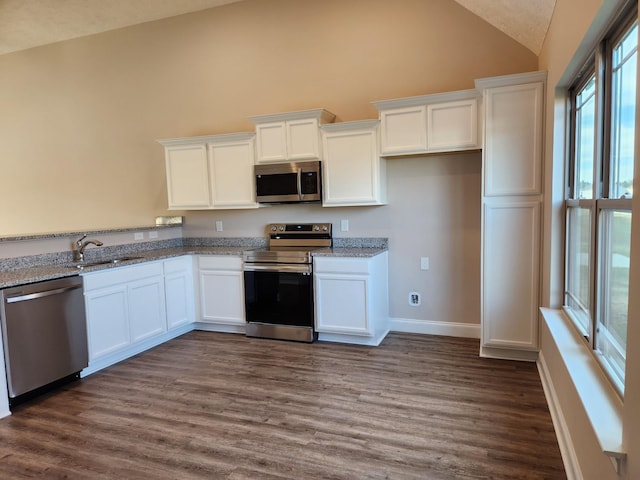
(279, 301)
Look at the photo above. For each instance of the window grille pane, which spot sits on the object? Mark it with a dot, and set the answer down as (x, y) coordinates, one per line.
(585, 124)
(611, 337)
(578, 294)
(623, 106)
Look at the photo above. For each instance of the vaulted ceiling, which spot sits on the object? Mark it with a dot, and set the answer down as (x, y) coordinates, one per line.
(29, 23)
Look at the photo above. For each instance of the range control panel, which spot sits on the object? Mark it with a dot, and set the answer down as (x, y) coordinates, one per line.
(303, 228)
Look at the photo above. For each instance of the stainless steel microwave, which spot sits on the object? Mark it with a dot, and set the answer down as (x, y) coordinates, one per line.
(293, 182)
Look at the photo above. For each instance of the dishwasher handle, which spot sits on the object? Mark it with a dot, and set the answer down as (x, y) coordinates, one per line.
(45, 293)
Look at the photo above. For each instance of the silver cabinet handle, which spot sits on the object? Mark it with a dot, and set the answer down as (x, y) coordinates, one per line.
(46, 293)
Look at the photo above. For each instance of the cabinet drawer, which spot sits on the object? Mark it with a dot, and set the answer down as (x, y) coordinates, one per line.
(342, 265)
(220, 262)
(179, 264)
(120, 275)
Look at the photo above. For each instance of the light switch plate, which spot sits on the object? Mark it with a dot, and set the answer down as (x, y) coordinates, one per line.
(218, 225)
(138, 236)
(424, 263)
(153, 234)
(344, 225)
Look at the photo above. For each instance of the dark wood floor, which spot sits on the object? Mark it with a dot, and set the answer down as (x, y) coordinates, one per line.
(211, 406)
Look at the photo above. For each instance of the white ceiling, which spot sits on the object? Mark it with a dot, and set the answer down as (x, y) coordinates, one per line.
(526, 21)
(29, 23)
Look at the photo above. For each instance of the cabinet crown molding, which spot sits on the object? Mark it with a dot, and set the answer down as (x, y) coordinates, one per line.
(510, 80)
(336, 127)
(223, 137)
(426, 99)
(322, 115)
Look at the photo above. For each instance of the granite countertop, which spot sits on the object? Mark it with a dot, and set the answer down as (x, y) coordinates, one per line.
(36, 272)
(362, 252)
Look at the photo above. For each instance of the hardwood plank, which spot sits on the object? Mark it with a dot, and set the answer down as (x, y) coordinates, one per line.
(209, 405)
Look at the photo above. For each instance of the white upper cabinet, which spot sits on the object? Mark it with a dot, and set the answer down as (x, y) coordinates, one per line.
(208, 172)
(443, 122)
(353, 172)
(404, 130)
(513, 137)
(187, 175)
(290, 136)
(452, 126)
(231, 176)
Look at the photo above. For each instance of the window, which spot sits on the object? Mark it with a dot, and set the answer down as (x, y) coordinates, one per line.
(598, 203)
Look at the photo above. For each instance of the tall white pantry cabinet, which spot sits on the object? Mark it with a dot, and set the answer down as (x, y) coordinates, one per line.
(511, 206)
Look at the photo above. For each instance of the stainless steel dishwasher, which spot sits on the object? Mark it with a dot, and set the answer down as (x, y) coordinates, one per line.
(44, 334)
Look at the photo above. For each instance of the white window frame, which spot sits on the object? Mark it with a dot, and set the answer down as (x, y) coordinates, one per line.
(600, 65)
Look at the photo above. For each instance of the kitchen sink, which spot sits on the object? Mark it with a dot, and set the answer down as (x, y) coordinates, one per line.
(97, 263)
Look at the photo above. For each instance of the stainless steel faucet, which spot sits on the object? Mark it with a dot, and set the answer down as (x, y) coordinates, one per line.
(81, 244)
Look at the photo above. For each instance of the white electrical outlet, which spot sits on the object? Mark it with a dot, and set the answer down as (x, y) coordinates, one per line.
(414, 299)
(424, 263)
(218, 225)
(153, 234)
(138, 236)
(344, 225)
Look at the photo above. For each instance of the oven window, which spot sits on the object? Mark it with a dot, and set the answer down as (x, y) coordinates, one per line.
(279, 298)
(277, 184)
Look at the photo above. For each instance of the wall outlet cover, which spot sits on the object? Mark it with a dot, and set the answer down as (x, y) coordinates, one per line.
(414, 299)
(138, 236)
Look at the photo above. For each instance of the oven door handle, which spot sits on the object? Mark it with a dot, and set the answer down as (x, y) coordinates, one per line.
(279, 268)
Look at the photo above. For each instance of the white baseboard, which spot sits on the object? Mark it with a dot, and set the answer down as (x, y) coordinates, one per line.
(569, 458)
(432, 327)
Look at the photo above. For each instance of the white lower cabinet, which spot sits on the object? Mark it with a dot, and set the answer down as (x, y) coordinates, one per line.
(107, 319)
(221, 292)
(510, 277)
(127, 310)
(178, 291)
(351, 299)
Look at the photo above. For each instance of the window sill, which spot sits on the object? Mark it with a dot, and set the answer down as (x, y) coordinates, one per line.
(598, 397)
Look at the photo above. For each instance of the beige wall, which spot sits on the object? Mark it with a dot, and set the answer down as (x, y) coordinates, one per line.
(79, 118)
(433, 210)
(574, 30)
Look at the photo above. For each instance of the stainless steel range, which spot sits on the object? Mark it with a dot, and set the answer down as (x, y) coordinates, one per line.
(278, 281)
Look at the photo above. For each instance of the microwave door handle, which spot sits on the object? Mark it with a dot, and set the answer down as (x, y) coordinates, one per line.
(300, 195)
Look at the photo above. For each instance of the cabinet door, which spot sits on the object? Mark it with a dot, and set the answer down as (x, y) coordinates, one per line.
(271, 142)
(513, 140)
(452, 126)
(352, 170)
(187, 176)
(404, 130)
(147, 316)
(303, 139)
(178, 291)
(107, 320)
(510, 264)
(231, 173)
(222, 297)
(342, 303)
